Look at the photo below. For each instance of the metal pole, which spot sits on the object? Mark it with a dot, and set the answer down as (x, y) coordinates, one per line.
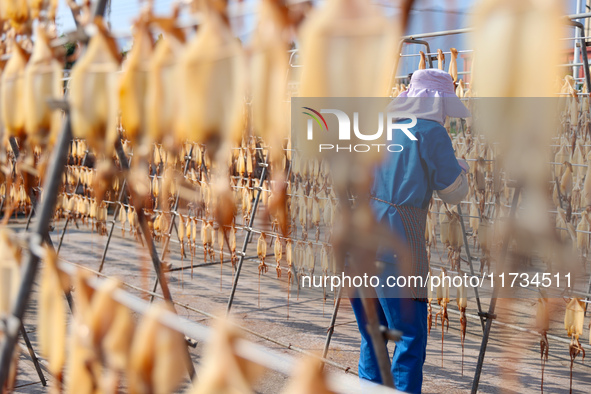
(576, 52)
(471, 266)
(59, 245)
(47, 238)
(33, 355)
(418, 42)
(30, 217)
(122, 197)
(377, 340)
(145, 229)
(490, 315)
(172, 219)
(29, 270)
(333, 320)
(248, 230)
(583, 44)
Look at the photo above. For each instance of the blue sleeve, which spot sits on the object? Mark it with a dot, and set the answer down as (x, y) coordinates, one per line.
(438, 157)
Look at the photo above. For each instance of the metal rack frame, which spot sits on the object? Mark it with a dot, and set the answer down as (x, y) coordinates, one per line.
(53, 180)
(487, 318)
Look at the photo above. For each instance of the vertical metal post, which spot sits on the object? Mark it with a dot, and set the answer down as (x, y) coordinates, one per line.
(333, 320)
(471, 266)
(583, 44)
(576, 51)
(377, 339)
(121, 199)
(33, 355)
(490, 315)
(145, 229)
(248, 230)
(29, 270)
(172, 219)
(59, 245)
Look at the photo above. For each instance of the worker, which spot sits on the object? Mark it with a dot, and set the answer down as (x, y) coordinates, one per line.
(402, 189)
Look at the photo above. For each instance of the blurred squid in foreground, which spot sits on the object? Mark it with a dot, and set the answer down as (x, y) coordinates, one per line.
(269, 67)
(211, 107)
(517, 110)
(94, 108)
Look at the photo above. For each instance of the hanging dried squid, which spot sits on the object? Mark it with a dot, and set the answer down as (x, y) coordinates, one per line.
(133, 84)
(269, 65)
(211, 94)
(15, 11)
(278, 252)
(13, 106)
(93, 92)
(543, 325)
(308, 377)
(224, 370)
(158, 356)
(462, 301)
(443, 300)
(573, 324)
(42, 81)
(162, 93)
(52, 315)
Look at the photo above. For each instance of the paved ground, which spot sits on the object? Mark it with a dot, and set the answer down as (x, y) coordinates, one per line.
(512, 360)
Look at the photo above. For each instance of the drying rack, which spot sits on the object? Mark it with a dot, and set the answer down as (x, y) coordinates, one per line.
(487, 318)
(45, 209)
(44, 212)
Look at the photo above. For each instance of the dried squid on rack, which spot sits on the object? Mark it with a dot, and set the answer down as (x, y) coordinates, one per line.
(49, 6)
(224, 371)
(262, 254)
(308, 377)
(13, 107)
(158, 358)
(573, 324)
(42, 81)
(52, 315)
(161, 93)
(443, 301)
(453, 64)
(422, 61)
(15, 11)
(211, 94)
(543, 325)
(93, 92)
(278, 252)
(269, 66)
(133, 84)
(335, 39)
(462, 301)
(99, 338)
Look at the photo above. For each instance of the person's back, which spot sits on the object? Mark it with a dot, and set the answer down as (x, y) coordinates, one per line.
(402, 189)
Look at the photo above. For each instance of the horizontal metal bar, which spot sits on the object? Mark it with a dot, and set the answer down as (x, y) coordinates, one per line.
(470, 29)
(441, 33)
(258, 354)
(435, 53)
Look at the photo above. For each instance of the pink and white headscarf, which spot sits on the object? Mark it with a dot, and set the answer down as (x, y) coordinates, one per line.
(440, 100)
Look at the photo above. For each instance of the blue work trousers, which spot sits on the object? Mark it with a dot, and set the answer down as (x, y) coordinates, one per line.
(408, 316)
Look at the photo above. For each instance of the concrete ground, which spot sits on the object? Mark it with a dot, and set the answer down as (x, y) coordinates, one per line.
(512, 363)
